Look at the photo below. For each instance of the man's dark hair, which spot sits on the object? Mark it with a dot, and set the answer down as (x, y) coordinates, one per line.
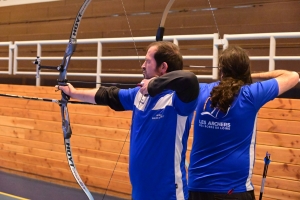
(234, 68)
(168, 52)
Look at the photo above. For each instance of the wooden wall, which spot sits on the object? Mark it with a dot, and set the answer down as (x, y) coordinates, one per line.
(31, 140)
(31, 143)
(106, 19)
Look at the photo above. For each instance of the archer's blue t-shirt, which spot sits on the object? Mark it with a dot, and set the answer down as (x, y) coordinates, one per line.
(158, 142)
(223, 151)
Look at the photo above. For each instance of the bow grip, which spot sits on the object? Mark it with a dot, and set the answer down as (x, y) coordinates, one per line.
(160, 33)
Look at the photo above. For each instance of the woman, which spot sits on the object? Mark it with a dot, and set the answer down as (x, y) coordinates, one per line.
(223, 151)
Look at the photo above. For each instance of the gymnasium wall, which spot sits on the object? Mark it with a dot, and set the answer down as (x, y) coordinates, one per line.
(31, 140)
(107, 19)
(31, 143)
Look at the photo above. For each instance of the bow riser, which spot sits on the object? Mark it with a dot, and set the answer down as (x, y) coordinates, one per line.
(62, 80)
(65, 122)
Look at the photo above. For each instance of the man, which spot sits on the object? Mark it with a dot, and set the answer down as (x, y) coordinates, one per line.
(162, 110)
(223, 150)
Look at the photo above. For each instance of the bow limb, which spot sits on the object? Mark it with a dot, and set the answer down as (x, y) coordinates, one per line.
(267, 162)
(161, 28)
(62, 80)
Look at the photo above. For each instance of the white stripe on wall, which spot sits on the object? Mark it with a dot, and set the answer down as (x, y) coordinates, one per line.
(20, 2)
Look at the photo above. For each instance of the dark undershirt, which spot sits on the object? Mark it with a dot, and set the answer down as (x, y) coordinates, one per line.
(184, 83)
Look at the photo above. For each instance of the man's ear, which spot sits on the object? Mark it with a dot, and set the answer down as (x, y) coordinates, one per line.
(163, 68)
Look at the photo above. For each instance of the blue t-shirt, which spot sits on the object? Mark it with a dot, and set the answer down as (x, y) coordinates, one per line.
(158, 142)
(223, 151)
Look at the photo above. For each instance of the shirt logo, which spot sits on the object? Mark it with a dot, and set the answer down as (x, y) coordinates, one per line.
(158, 116)
(217, 115)
(214, 125)
(215, 112)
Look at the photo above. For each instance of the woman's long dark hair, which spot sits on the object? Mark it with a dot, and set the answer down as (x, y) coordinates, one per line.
(234, 68)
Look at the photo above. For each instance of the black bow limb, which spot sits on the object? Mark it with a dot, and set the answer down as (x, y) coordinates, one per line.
(266, 166)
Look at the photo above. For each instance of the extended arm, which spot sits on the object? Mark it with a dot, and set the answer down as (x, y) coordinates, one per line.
(286, 79)
(102, 96)
(82, 95)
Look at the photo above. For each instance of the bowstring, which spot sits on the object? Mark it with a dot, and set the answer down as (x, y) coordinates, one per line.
(116, 165)
(137, 53)
(216, 24)
(214, 17)
(129, 129)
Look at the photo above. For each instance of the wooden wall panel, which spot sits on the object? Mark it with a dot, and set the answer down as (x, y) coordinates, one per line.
(106, 19)
(31, 134)
(31, 143)
(144, 16)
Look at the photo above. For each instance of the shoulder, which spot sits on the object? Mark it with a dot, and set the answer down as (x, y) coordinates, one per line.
(127, 96)
(259, 93)
(262, 86)
(129, 91)
(208, 86)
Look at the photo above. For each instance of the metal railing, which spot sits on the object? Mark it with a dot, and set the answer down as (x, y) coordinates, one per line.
(13, 52)
(272, 51)
(8, 58)
(99, 58)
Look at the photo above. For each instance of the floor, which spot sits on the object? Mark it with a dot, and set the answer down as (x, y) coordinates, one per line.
(14, 187)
